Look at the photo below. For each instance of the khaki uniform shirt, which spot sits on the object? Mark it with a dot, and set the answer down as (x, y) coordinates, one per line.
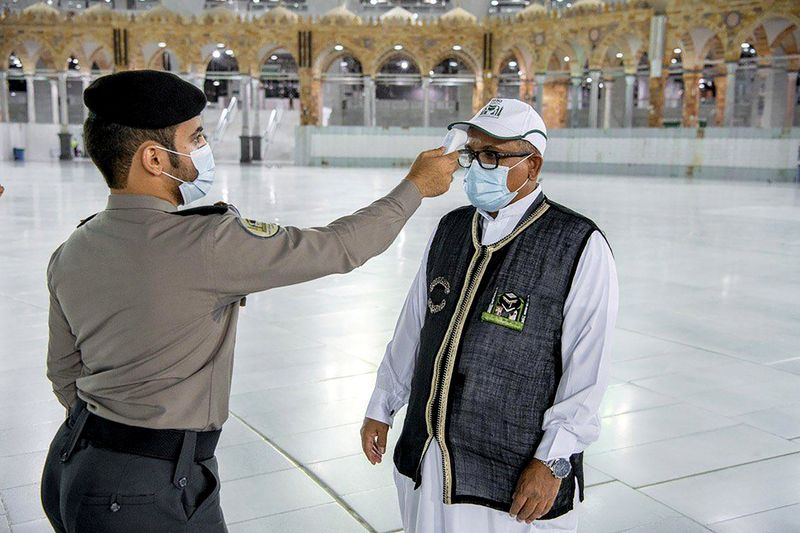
(144, 302)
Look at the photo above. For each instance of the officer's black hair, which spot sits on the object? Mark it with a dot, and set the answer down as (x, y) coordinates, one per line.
(112, 147)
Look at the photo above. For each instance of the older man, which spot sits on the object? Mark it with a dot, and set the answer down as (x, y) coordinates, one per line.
(500, 349)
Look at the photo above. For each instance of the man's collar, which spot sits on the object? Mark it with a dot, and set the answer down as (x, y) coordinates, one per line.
(139, 201)
(517, 209)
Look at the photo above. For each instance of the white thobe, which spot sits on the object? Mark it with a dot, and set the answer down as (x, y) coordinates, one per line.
(569, 426)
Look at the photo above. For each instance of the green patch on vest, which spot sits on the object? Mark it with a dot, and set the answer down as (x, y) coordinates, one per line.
(508, 310)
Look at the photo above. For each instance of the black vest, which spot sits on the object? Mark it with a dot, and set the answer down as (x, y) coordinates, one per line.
(489, 359)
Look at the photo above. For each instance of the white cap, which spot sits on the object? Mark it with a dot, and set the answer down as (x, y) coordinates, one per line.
(507, 118)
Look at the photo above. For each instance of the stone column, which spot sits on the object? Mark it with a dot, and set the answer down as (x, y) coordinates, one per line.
(554, 103)
(655, 116)
(655, 52)
(54, 101)
(489, 88)
(720, 84)
(608, 91)
(594, 93)
(729, 100)
(244, 138)
(630, 81)
(64, 136)
(426, 105)
(4, 117)
(541, 79)
(369, 101)
(309, 98)
(255, 139)
(757, 92)
(576, 101)
(31, 98)
(791, 99)
(691, 98)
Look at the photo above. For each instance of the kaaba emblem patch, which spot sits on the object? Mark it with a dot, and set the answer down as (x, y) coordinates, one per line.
(259, 229)
(445, 285)
(507, 309)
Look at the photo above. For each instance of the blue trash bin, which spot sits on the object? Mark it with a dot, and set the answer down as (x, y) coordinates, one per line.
(19, 154)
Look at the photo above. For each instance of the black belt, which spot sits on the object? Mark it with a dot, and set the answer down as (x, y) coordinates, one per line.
(158, 443)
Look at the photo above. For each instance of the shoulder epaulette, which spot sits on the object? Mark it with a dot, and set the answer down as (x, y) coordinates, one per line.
(87, 219)
(203, 210)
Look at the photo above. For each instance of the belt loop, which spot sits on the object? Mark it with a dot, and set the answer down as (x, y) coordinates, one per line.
(185, 459)
(75, 434)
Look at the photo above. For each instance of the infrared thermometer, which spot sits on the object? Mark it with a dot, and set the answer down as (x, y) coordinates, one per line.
(454, 140)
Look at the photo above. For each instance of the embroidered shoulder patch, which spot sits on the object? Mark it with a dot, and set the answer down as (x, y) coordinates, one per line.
(259, 229)
(507, 309)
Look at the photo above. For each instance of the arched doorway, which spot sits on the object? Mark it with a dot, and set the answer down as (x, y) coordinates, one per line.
(673, 90)
(451, 92)
(398, 92)
(280, 79)
(221, 72)
(343, 92)
(77, 79)
(17, 90)
(509, 84)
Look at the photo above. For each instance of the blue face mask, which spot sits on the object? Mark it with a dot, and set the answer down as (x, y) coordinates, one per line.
(488, 189)
(203, 161)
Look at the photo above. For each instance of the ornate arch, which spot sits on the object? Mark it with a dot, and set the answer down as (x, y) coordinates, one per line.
(383, 56)
(324, 60)
(464, 57)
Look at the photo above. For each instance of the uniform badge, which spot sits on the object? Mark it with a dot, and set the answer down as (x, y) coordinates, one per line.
(445, 285)
(259, 229)
(507, 309)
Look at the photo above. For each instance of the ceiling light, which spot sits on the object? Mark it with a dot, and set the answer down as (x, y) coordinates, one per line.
(220, 45)
(677, 51)
(338, 47)
(745, 45)
(273, 57)
(404, 65)
(619, 55)
(453, 63)
(566, 58)
(512, 64)
(674, 61)
(215, 54)
(229, 52)
(588, 80)
(456, 47)
(162, 44)
(398, 47)
(215, 83)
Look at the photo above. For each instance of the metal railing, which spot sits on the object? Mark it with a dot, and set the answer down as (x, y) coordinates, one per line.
(225, 118)
(275, 117)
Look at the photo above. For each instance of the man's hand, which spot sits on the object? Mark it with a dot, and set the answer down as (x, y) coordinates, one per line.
(373, 439)
(535, 493)
(432, 172)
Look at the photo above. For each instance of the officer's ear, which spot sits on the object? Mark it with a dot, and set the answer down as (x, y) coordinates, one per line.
(153, 159)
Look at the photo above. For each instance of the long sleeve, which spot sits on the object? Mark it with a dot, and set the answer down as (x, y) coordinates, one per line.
(64, 363)
(243, 262)
(590, 313)
(393, 382)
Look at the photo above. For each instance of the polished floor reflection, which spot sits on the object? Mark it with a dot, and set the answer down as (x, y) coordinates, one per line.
(701, 424)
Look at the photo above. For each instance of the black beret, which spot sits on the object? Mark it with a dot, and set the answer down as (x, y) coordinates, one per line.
(144, 99)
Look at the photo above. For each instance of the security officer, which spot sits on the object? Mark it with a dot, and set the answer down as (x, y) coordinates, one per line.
(144, 302)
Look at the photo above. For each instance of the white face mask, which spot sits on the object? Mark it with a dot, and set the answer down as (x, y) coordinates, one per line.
(203, 161)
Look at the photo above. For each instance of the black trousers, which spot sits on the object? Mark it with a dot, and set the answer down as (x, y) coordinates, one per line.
(97, 490)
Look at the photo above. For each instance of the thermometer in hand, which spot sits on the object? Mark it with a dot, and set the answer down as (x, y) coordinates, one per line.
(454, 140)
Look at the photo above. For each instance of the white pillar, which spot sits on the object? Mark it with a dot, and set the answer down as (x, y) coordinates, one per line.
(630, 80)
(256, 103)
(540, 81)
(730, 94)
(244, 94)
(369, 101)
(608, 91)
(594, 93)
(426, 105)
(85, 81)
(4, 97)
(655, 51)
(62, 101)
(791, 100)
(53, 101)
(576, 101)
(769, 97)
(31, 97)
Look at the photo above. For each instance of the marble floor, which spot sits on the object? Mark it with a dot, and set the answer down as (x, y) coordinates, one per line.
(701, 422)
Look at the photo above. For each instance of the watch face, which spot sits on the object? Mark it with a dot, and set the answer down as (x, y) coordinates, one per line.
(561, 468)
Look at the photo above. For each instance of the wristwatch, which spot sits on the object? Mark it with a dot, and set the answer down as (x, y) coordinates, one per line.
(559, 467)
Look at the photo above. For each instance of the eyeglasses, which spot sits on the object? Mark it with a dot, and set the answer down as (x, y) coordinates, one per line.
(487, 159)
